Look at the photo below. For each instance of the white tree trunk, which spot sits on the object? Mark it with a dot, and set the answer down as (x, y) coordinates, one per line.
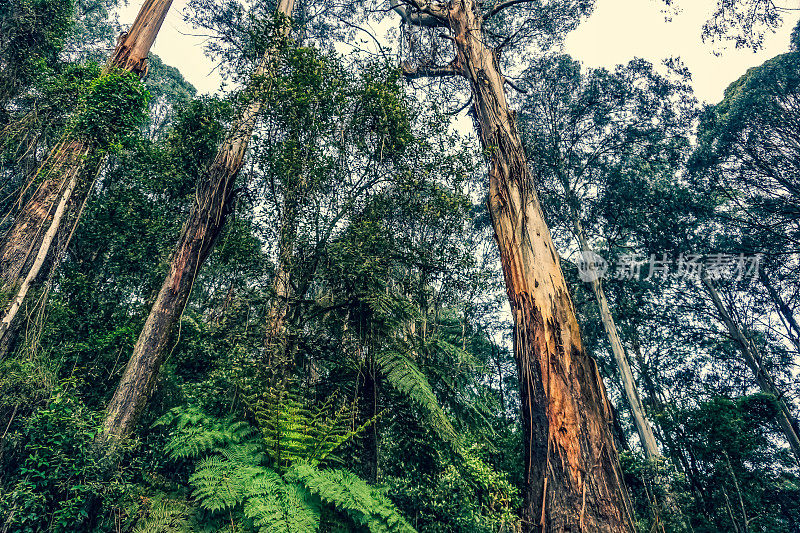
(752, 359)
(631, 391)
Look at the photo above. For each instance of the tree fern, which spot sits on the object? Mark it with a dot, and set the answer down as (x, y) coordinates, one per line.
(235, 477)
(458, 394)
(292, 431)
(402, 373)
(267, 477)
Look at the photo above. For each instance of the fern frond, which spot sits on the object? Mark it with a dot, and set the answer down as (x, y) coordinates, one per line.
(226, 479)
(165, 516)
(364, 504)
(333, 429)
(196, 433)
(402, 373)
(216, 485)
(292, 431)
(279, 507)
(455, 353)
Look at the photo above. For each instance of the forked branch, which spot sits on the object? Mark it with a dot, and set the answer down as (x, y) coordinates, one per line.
(514, 86)
(422, 13)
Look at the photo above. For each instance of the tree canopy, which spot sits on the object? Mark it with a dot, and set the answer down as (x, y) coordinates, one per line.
(318, 300)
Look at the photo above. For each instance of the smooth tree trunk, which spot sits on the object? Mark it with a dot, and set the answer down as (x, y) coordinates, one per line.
(573, 481)
(27, 240)
(213, 203)
(643, 427)
(752, 359)
(785, 312)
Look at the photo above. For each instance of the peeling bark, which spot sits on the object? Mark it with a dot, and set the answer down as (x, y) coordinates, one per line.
(573, 481)
(25, 253)
(213, 203)
(26, 241)
(133, 47)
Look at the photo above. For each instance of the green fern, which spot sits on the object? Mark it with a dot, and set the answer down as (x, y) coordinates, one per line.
(402, 373)
(165, 516)
(240, 473)
(364, 504)
(194, 433)
(221, 484)
(280, 507)
(292, 431)
(235, 477)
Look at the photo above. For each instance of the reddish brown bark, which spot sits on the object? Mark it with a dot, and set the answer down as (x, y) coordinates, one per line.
(208, 215)
(25, 240)
(573, 481)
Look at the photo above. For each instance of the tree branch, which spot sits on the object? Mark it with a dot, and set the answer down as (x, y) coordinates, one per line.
(462, 108)
(501, 6)
(426, 13)
(413, 73)
(515, 86)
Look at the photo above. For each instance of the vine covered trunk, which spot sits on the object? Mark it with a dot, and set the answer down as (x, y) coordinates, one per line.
(213, 203)
(277, 356)
(26, 240)
(573, 480)
(32, 272)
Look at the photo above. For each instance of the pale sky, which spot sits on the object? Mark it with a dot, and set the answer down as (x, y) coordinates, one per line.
(618, 31)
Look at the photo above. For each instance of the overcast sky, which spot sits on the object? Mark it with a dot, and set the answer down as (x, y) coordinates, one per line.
(618, 31)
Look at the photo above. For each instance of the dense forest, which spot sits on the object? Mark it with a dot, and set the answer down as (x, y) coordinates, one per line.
(412, 268)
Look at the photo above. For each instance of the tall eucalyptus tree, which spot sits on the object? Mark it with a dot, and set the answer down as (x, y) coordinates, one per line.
(581, 126)
(213, 203)
(572, 475)
(25, 248)
(747, 156)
